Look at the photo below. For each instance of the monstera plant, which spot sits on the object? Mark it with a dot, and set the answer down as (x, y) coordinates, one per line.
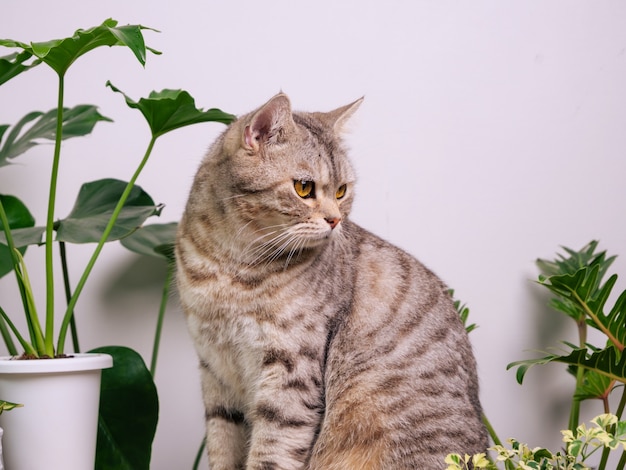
(105, 210)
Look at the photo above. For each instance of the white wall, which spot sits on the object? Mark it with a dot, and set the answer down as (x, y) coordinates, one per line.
(492, 133)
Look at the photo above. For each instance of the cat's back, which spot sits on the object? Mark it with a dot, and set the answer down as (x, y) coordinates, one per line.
(401, 383)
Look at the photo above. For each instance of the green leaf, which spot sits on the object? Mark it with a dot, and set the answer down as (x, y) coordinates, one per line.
(22, 237)
(570, 265)
(13, 64)
(93, 209)
(77, 121)
(18, 216)
(606, 361)
(167, 110)
(8, 406)
(129, 410)
(615, 320)
(463, 312)
(594, 386)
(153, 240)
(60, 54)
(577, 282)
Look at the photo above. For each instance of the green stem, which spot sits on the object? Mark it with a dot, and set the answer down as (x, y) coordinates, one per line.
(622, 462)
(574, 417)
(68, 295)
(96, 253)
(196, 462)
(492, 433)
(621, 405)
(496, 440)
(159, 326)
(32, 318)
(50, 222)
(25, 344)
(606, 451)
(16, 263)
(6, 336)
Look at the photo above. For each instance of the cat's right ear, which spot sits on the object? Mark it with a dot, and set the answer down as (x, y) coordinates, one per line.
(268, 123)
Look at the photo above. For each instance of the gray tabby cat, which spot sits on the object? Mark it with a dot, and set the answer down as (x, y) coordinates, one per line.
(321, 346)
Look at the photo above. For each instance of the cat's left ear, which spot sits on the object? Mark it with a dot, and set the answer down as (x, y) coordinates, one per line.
(340, 116)
(268, 122)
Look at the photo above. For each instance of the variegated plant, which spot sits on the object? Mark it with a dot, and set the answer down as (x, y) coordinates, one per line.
(576, 278)
(607, 433)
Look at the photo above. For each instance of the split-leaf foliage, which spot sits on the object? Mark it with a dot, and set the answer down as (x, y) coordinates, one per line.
(105, 210)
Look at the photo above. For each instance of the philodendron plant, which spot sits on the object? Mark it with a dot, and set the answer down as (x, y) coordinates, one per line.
(576, 279)
(105, 210)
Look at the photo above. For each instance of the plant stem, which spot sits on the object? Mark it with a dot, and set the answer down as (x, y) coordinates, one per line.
(621, 405)
(68, 295)
(622, 462)
(25, 344)
(16, 267)
(107, 231)
(492, 432)
(496, 440)
(199, 455)
(6, 336)
(159, 326)
(50, 221)
(605, 457)
(32, 318)
(574, 416)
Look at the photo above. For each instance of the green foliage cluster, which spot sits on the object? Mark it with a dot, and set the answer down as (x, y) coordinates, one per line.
(105, 210)
(576, 279)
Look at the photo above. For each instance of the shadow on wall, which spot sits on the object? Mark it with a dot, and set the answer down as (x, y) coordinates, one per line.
(139, 277)
(129, 303)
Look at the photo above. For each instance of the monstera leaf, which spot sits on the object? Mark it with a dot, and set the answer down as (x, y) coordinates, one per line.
(564, 272)
(156, 240)
(94, 207)
(18, 216)
(582, 291)
(77, 122)
(13, 64)
(609, 362)
(167, 110)
(59, 54)
(129, 410)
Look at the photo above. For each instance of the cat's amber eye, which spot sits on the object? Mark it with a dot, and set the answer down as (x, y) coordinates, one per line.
(304, 189)
(341, 191)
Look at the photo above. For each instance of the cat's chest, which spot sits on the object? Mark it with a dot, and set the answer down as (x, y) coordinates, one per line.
(279, 298)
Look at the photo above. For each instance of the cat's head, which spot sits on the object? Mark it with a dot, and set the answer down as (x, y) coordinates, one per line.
(284, 182)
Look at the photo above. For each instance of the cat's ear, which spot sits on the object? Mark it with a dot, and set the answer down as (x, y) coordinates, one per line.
(268, 122)
(338, 118)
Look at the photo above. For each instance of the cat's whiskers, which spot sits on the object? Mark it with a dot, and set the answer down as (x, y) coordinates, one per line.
(291, 241)
(299, 241)
(242, 228)
(263, 250)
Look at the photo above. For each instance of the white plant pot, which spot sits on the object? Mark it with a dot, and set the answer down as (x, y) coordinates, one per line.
(57, 426)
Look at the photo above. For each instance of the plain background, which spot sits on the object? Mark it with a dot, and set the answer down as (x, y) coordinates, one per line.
(491, 133)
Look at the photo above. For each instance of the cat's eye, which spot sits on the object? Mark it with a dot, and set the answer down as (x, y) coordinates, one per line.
(341, 191)
(304, 189)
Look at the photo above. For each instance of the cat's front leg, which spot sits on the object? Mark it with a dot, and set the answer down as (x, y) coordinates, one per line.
(226, 428)
(286, 415)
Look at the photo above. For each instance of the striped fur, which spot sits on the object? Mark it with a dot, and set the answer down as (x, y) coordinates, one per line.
(321, 346)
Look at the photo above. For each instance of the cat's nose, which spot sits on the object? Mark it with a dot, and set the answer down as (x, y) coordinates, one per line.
(332, 221)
